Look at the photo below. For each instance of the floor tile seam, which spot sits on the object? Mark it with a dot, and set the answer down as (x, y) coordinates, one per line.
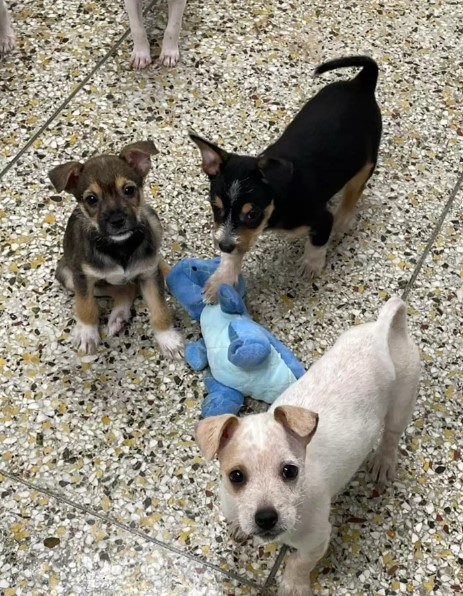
(276, 566)
(435, 232)
(68, 99)
(111, 521)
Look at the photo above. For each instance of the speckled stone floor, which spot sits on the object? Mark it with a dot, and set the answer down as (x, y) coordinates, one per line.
(102, 489)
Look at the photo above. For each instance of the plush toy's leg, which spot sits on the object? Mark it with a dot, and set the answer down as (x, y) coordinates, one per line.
(196, 354)
(249, 345)
(221, 399)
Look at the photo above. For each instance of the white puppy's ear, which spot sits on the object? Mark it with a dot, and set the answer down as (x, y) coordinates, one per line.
(299, 422)
(214, 432)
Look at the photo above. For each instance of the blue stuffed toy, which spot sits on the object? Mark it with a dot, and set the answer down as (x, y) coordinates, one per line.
(243, 357)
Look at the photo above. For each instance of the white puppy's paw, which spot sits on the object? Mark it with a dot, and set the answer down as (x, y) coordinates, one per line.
(211, 287)
(288, 588)
(171, 343)
(343, 222)
(382, 466)
(170, 55)
(7, 40)
(118, 317)
(86, 338)
(141, 56)
(311, 269)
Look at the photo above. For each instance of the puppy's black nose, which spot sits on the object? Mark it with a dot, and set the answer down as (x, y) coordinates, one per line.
(116, 220)
(266, 518)
(227, 246)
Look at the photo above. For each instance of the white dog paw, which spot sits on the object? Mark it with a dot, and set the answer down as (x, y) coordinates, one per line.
(7, 41)
(169, 56)
(141, 57)
(86, 338)
(343, 223)
(288, 588)
(382, 467)
(171, 343)
(311, 269)
(117, 319)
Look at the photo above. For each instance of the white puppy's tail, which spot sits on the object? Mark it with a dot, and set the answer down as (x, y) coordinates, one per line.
(390, 325)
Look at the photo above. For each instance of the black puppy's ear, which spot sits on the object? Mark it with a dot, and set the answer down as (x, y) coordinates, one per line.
(213, 157)
(277, 173)
(65, 176)
(137, 155)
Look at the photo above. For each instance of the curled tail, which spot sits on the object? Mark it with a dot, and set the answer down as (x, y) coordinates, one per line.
(367, 77)
(390, 326)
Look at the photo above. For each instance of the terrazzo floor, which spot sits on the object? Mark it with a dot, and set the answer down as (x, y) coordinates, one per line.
(102, 489)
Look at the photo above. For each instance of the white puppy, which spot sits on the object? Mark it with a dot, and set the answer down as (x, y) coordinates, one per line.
(7, 36)
(280, 469)
(170, 54)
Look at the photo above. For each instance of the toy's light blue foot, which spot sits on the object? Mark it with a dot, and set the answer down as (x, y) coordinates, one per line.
(220, 399)
(196, 354)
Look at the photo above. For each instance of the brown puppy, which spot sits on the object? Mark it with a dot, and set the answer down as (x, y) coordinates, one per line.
(111, 245)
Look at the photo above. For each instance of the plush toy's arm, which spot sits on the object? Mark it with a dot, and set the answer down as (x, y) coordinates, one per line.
(221, 399)
(196, 354)
(286, 355)
(249, 346)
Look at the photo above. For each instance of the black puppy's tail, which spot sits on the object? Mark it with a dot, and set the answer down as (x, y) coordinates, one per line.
(367, 77)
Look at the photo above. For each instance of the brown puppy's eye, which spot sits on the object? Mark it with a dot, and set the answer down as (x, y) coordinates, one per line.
(236, 477)
(91, 200)
(129, 190)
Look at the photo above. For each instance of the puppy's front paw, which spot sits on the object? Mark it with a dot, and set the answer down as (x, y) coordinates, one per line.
(169, 56)
(118, 317)
(86, 338)
(382, 467)
(171, 343)
(288, 588)
(7, 41)
(311, 269)
(140, 57)
(211, 287)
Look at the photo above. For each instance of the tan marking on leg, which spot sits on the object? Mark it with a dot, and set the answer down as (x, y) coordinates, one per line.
(156, 303)
(86, 308)
(164, 267)
(351, 194)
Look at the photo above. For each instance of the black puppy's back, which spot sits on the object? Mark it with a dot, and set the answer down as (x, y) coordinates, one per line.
(335, 134)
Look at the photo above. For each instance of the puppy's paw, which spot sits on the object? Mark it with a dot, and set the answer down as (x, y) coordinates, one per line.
(238, 535)
(7, 41)
(382, 467)
(311, 269)
(169, 56)
(288, 588)
(211, 287)
(141, 57)
(118, 317)
(86, 338)
(171, 343)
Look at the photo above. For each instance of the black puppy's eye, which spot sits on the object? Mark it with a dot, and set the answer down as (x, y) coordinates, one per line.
(129, 190)
(253, 215)
(91, 200)
(290, 472)
(236, 477)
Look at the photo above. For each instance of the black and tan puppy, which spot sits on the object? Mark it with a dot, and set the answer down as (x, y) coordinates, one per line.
(111, 245)
(331, 144)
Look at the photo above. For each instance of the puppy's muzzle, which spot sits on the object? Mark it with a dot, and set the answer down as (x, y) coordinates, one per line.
(117, 223)
(266, 519)
(227, 246)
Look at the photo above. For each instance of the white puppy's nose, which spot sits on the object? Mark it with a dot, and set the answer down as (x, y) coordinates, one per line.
(266, 518)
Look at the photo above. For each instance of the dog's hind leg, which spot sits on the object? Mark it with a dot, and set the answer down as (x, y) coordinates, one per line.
(123, 297)
(351, 194)
(406, 369)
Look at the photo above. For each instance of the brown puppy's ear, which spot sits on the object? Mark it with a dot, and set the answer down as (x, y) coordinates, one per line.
(137, 155)
(213, 157)
(65, 176)
(214, 432)
(277, 173)
(299, 422)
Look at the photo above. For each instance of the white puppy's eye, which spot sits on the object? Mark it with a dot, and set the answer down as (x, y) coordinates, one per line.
(236, 477)
(290, 472)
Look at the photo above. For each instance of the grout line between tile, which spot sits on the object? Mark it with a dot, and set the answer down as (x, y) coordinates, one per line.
(109, 520)
(432, 238)
(271, 577)
(68, 99)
